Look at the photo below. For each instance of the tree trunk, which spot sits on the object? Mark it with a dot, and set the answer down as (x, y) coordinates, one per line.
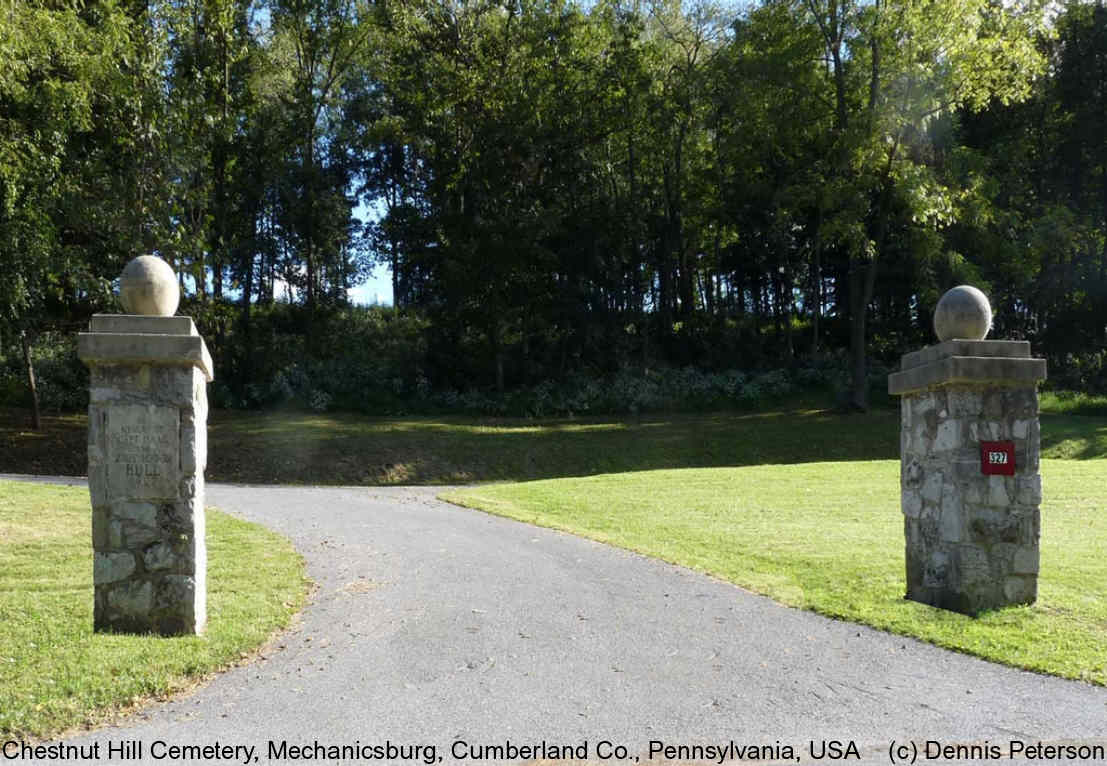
(862, 282)
(776, 293)
(859, 385)
(525, 331)
(861, 276)
(397, 294)
(218, 237)
(309, 228)
(498, 354)
(687, 279)
(219, 246)
(817, 273)
(738, 291)
(245, 318)
(786, 295)
(36, 417)
(1103, 268)
(665, 299)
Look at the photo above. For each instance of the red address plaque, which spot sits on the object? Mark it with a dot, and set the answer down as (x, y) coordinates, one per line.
(997, 458)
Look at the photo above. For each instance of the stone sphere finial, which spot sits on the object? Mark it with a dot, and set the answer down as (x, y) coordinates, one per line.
(149, 286)
(962, 313)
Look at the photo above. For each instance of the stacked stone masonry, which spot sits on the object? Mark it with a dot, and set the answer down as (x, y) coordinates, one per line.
(971, 539)
(147, 449)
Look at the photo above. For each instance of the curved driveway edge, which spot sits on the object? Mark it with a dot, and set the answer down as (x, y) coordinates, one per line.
(435, 625)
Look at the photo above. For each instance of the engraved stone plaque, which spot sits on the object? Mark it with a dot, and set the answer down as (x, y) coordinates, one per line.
(143, 451)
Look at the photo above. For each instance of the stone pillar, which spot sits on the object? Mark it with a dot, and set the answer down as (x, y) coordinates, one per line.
(970, 486)
(147, 448)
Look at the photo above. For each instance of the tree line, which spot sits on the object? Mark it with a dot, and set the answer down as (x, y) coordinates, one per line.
(561, 186)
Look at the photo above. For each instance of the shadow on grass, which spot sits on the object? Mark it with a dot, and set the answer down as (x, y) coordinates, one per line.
(344, 448)
(1074, 437)
(350, 449)
(58, 449)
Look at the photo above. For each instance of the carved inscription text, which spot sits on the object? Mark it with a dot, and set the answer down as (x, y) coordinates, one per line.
(143, 451)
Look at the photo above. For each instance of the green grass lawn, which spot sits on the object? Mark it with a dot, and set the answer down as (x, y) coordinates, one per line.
(829, 537)
(55, 673)
(349, 449)
(800, 504)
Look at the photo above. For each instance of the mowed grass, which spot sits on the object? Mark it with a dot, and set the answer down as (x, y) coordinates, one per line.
(56, 674)
(351, 449)
(829, 537)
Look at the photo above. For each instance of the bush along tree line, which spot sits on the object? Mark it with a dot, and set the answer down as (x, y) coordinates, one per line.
(609, 205)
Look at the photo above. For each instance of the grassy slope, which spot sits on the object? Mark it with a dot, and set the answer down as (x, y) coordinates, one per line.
(341, 448)
(830, 538)
(55, 673)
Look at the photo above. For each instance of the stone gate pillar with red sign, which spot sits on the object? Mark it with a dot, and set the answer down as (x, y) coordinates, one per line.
(969, 454)
(147, 446)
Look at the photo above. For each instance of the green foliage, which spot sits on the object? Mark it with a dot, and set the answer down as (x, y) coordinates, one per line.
(1084, 374)
(61, 73)
(62, 378)
(560, 189)
(891, 69)
(358, 359)
(657, 390)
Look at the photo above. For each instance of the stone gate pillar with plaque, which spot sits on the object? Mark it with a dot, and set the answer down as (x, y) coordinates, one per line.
(969, 444)
(147, 449)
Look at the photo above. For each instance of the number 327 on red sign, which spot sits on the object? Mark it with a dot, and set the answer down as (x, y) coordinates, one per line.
(997, 458)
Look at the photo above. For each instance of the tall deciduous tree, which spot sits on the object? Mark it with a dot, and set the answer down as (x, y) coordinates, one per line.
(322, 44)
(62, 72)
(890, 68)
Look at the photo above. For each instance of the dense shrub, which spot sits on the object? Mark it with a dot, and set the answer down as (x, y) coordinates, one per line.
(347, 385)
(666, 389)
(60, 377)
(1085, 372)
(13, 384)
(379, 361)
(365, 359)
